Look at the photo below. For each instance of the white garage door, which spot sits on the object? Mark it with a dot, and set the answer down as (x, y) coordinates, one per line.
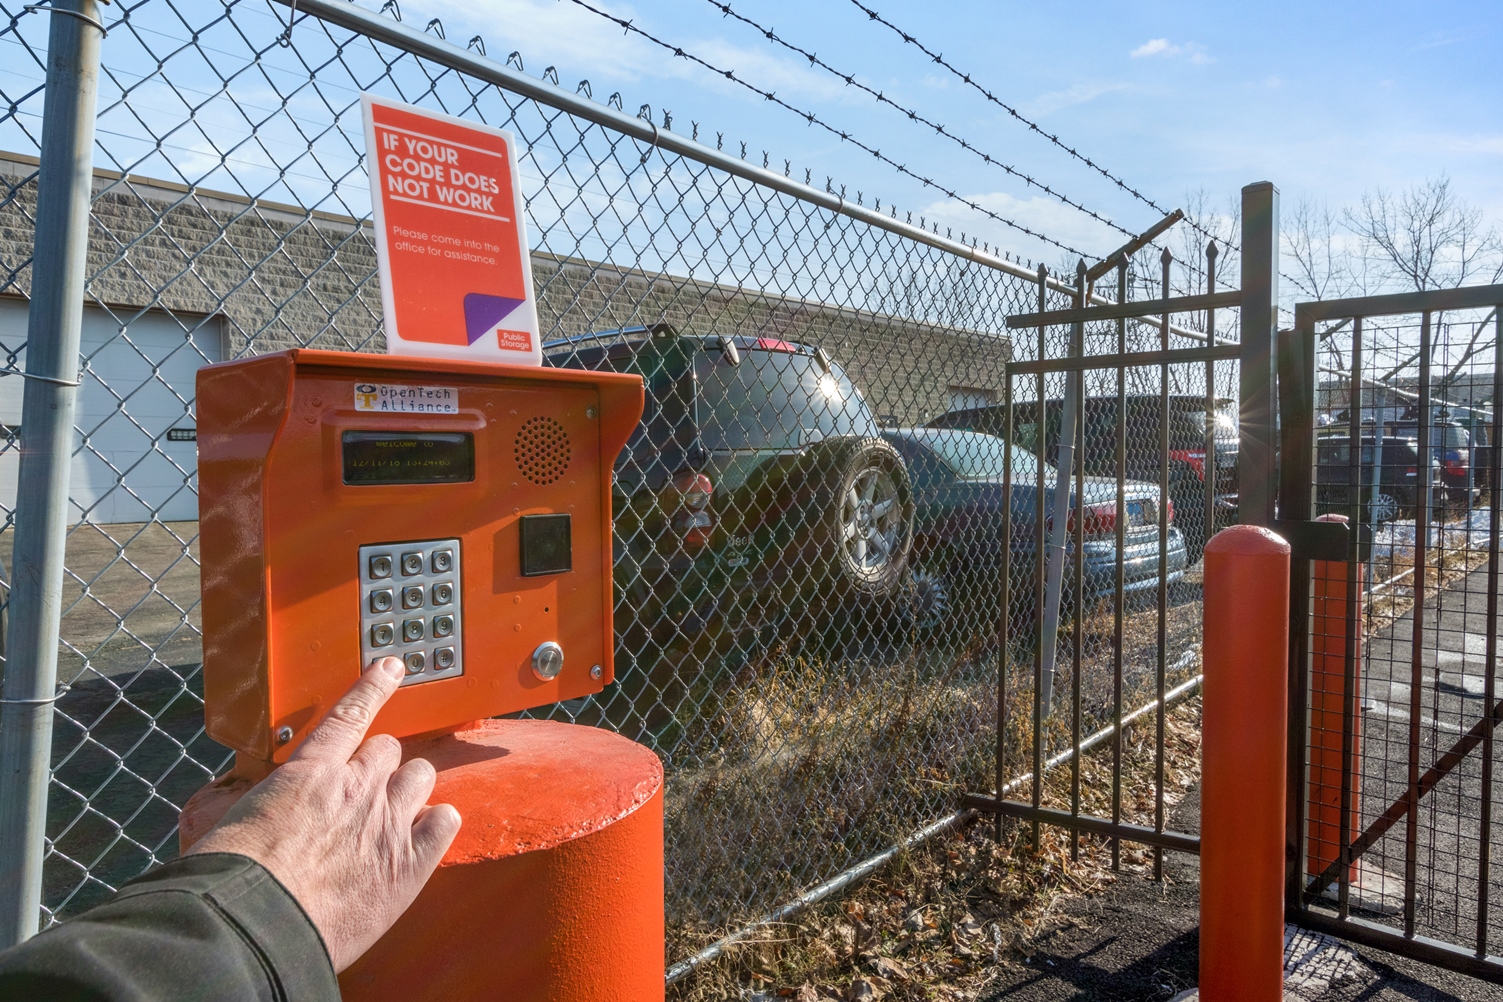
(134, 453)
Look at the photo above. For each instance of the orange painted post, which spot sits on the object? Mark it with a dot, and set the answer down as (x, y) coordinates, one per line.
(1328, 629)
(553, 891)
(1244, 722)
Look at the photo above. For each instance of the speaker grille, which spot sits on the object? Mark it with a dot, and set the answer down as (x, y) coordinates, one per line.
(542, 450)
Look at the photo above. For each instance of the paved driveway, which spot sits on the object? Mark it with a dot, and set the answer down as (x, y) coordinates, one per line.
(130, 598)
(128, 745)
(1448, 828)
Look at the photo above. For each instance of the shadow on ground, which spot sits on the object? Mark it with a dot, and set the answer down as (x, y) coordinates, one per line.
(1139, 941)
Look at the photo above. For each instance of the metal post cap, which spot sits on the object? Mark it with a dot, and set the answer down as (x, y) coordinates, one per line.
(547, 660)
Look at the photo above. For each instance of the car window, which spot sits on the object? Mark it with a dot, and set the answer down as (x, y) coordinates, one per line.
(1025, 427)
(924, 467)
(972, 455)
(1455, 436)
(775, 400)
(1442, 435)
(1337, 452)
(1225, 417)
(1401, 453)
(666, 430)
(1334, 453)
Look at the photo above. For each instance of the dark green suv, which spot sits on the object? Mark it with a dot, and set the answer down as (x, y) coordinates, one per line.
(756, 486)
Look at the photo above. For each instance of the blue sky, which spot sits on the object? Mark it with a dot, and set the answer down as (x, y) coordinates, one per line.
(1326, 100)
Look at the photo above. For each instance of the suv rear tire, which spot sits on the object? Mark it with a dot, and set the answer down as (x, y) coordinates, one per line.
(861, 519)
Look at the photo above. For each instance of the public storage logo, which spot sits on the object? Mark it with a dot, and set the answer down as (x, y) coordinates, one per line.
(389, 398)
(456, 273)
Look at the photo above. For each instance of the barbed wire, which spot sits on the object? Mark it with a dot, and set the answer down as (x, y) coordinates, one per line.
(813, 119)
(939, 59)
(913, 115)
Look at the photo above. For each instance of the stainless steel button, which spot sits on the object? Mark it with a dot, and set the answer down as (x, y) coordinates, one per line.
(547, 660)
(410, 606)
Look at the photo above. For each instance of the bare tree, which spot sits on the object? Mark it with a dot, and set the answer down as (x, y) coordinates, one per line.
(1426, 237)
(1318, 260)
(1318, 254)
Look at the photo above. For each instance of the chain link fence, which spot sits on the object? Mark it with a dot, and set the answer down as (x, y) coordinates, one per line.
(808, 617)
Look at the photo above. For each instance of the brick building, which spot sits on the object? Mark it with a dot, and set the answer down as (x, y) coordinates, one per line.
(181, 277)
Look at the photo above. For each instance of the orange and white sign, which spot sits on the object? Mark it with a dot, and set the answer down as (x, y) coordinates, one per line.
(451, 245)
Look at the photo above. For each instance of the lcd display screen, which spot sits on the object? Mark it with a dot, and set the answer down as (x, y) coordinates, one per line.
(385, 457)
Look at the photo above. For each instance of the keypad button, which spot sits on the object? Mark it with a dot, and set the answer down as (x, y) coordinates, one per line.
(410, 607)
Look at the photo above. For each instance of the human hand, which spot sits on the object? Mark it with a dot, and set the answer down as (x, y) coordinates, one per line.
(342, 827)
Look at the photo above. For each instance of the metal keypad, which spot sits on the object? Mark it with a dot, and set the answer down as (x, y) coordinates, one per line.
(409, 607)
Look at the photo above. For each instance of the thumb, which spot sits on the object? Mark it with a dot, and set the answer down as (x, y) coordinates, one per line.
(432, 834)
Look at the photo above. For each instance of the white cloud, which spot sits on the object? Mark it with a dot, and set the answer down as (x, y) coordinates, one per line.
(1155, 47)
(1083, 93)
(1193, 51)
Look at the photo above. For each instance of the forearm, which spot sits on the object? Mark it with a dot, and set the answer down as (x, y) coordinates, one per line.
(214, 925)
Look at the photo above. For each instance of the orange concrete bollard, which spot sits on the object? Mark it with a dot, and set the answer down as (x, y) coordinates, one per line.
(1328, 629)
(1244, 726)
(553, 891)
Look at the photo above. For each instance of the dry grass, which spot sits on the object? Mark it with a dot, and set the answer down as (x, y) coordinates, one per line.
(940, 920)
(808, 767)
(807, 761)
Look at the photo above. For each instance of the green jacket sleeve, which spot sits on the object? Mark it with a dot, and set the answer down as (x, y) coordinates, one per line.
(211, 926)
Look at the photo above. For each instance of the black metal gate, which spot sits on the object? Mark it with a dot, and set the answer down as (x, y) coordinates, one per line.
(1389, 417)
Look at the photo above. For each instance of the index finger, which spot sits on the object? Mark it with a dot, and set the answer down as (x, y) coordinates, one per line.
(339, 734)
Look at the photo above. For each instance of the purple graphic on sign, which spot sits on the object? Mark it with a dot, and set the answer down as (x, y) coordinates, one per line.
(482, 313)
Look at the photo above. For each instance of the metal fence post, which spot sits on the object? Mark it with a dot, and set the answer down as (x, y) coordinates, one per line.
(1257, 460)
(59, 267)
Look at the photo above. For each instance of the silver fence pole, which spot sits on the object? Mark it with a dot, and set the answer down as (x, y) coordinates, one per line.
(58, 275)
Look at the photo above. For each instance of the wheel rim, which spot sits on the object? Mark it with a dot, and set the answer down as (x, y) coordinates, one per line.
(1384, 508)
(871, 521)
(928, 599)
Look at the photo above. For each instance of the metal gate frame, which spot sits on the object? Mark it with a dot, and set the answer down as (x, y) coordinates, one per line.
(1255, 351)
(1114, 827)
(1297, 410)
